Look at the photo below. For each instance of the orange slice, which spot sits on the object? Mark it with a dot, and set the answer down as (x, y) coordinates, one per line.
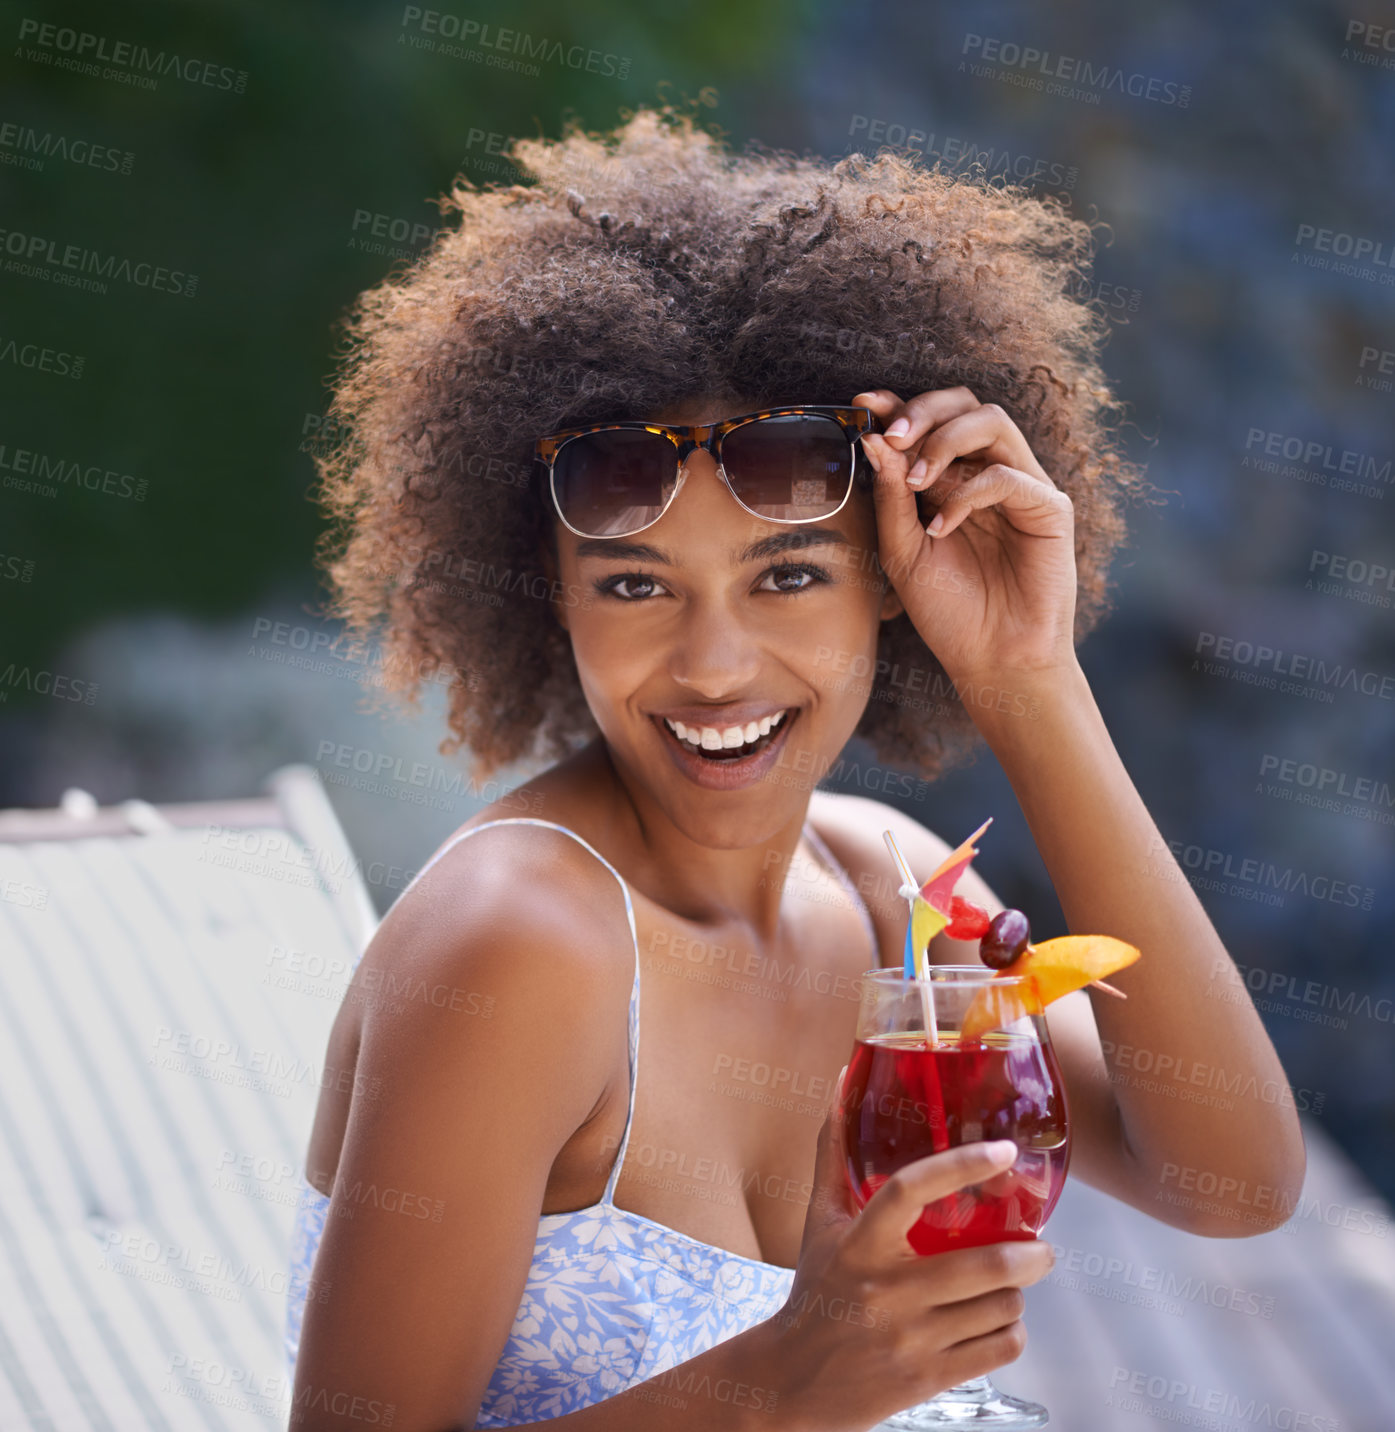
(1060, 966)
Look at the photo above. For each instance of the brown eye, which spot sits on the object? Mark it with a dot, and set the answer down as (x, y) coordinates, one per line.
(786, 578)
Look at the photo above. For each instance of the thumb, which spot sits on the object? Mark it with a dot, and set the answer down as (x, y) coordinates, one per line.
(830, 1200)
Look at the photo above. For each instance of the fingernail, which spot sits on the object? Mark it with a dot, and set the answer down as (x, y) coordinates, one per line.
(898, 429)
(1002, 1151)
(936, 525)
(917, 474)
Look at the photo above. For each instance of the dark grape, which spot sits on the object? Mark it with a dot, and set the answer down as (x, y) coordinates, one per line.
(1008, 933)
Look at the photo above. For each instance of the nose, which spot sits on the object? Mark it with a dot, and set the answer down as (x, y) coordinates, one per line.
(713, 654)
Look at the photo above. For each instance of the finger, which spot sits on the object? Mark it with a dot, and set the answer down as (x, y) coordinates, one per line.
(986, 430)
(948, 1279)
(979, 1356)
(900, 522)
(1032, 504)
(975, 1317)
(880, 1230)
(921, 413)
(882, 401)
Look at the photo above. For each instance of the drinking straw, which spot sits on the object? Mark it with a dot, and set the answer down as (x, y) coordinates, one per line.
(915, 962)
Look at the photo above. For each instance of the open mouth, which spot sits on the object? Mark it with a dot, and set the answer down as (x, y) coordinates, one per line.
(689, 740)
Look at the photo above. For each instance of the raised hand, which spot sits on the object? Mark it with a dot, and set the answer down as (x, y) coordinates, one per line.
(976, 538)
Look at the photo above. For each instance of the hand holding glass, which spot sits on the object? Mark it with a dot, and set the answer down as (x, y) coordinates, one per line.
(905, 1096)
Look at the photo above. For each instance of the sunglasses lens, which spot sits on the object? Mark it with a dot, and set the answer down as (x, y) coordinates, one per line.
(791, 467)
(610, 484)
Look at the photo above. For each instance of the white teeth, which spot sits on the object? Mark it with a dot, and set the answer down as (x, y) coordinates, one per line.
(711, 738)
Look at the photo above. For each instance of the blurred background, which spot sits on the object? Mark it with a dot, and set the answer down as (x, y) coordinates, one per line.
(157, 635)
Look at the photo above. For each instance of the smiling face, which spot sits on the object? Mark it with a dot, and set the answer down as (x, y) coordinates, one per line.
(713, 626)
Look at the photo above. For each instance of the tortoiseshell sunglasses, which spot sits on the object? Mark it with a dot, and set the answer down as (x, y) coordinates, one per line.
(793, 464)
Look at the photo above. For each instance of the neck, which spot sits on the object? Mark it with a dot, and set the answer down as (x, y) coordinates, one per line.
(740, 881)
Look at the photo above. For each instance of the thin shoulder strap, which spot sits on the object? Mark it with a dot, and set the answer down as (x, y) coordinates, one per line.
(831, 860)
(634, 937)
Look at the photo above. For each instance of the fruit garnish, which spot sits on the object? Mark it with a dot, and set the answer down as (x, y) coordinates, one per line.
(1058, 966)
(1006, 938)
(967, 921)
(931, 905)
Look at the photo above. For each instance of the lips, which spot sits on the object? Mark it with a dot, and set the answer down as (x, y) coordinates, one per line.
(724, 769)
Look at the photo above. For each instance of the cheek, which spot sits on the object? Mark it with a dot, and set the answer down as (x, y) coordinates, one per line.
(609, 662)
(838, 643)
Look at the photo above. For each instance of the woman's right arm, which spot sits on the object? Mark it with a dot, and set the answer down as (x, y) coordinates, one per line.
(433, 1217)
(496, 996)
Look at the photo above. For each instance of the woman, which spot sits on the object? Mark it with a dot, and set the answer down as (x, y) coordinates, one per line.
(519, 1211)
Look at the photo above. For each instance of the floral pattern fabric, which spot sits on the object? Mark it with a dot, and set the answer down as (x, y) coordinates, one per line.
(612, 1298)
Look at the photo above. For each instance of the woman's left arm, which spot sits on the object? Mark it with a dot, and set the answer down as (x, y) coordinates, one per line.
(992, 593)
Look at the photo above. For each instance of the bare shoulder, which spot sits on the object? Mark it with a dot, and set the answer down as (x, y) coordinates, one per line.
(515, 934)
(513, 891)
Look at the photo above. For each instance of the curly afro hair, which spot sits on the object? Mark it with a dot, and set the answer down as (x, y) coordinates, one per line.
(642, 268)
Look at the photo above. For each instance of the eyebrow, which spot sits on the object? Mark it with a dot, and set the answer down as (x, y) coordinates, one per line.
(772, 546)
